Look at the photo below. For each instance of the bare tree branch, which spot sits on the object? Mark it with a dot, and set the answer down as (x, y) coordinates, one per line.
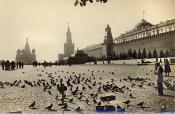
(84, 2)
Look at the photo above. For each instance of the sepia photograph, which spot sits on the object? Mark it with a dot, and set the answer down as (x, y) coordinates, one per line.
(87, 56)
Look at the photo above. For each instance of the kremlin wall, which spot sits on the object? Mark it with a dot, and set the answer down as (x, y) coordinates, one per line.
(144, 35)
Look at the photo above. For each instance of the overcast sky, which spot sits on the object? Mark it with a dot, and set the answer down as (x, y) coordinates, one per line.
(44, 22)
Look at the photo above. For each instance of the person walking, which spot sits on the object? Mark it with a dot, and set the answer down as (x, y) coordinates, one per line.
(17, 65)
(7, 65)
(3, 65)
(157, 64)
(12, 64)
(160, 80)
(167, 67)
(22, 65)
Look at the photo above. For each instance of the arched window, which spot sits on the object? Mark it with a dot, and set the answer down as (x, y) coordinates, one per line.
(160, 30)
(174, 27)
(153, 32)
(163, 30)
(170, 28)
(143, 34)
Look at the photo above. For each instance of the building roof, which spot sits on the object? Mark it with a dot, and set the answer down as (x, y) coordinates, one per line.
(143, 24)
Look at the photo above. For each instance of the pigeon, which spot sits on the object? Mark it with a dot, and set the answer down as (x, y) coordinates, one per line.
(49, 92)
(80, 97)
(141, 85)
(56, 97)
(65, 106)
(32, 106)
(120, 109)
(23, 86)
(95, 102)
(131, 96)
(99, 103)
(49, 107)
(91, 1)
(87, 101)
(71, 100)
(78, 109)
(127, 102)
(140, 104)
(83, 88)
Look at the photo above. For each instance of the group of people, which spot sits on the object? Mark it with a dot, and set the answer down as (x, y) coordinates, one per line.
(11, 65)
(159, 71)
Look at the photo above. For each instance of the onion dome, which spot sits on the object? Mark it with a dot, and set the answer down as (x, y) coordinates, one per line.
(143, 24)
(33, 50)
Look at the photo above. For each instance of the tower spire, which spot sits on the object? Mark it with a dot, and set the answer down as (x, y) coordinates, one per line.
(27, 47)
(27, 39)
(68, 27)
(143, 14)
(68, 46)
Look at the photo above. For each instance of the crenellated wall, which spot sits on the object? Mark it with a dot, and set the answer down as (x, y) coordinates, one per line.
(150, 37)
(98, 52)
(164, 41)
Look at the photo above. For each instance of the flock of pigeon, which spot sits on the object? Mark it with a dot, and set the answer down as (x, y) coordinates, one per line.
(82, 87)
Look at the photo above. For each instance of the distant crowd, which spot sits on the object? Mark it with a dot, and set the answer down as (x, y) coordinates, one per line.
(11, 65)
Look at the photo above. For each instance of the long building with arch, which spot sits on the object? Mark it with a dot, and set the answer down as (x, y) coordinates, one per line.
(145, 35)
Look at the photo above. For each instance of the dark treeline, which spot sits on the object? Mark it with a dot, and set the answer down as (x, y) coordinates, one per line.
(141, 54)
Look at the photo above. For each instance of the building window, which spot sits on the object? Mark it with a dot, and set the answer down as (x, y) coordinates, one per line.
(174, 27)
(160, 31)
(143, 34)
(153, 32)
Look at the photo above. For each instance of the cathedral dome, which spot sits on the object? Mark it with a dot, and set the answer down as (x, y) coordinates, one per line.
(18, 50)
(143, 24)
(33, 50)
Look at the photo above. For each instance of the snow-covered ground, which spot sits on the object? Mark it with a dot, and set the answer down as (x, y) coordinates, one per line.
(16, 98)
